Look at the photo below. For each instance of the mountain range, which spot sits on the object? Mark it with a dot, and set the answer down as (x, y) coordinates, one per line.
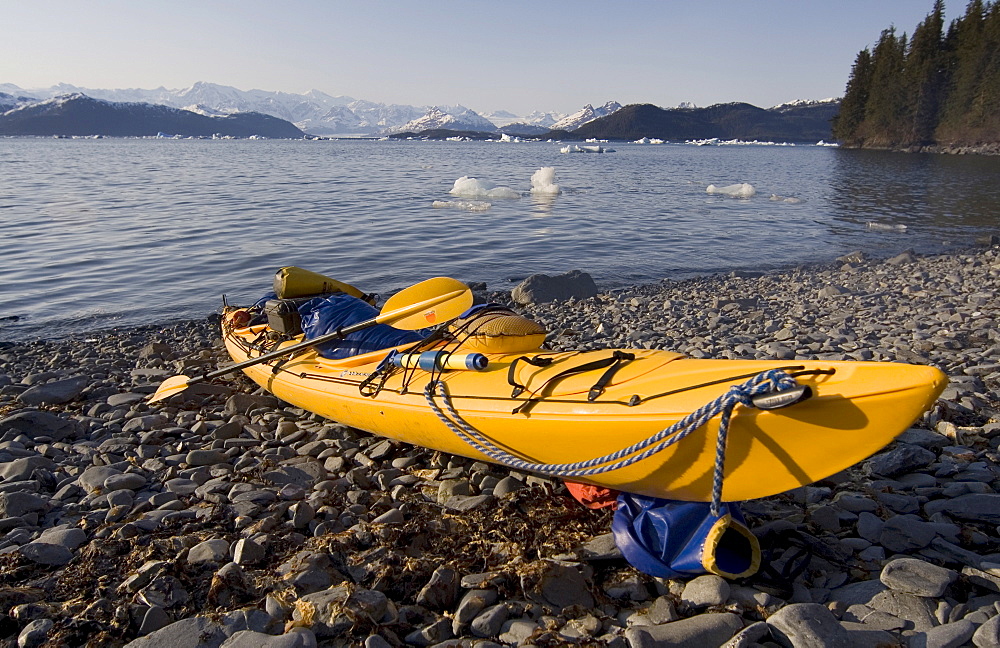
(208, 108)
(79, 115)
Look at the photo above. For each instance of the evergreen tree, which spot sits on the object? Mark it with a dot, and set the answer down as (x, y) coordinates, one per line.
(852, 107)
(967, 53)
(887, 112)
(925, 76)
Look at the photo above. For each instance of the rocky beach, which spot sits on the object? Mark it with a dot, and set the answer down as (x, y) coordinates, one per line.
(227, 518)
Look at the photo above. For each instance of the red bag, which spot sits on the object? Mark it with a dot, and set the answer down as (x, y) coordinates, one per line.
(594, 497)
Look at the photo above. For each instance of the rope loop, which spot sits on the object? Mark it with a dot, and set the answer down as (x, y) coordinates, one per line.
(742, 394)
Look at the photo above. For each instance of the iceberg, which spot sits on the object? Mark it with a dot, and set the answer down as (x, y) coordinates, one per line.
(466, 187)
(543, 182)
(744, 190)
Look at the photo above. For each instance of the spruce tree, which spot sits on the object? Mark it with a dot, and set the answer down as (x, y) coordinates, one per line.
(925, 76)
(887, 112)
(848, 121)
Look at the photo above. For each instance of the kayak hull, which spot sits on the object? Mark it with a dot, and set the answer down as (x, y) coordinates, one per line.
(856, 408)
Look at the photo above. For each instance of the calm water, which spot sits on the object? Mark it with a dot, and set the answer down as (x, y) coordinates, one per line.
(103, 233)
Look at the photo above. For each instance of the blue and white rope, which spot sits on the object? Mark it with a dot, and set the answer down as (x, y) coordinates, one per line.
(742, 394)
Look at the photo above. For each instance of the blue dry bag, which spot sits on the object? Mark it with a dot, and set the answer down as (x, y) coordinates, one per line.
(671, 539)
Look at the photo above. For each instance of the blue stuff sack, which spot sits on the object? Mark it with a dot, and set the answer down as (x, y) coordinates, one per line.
(671, 539)
(321, 316)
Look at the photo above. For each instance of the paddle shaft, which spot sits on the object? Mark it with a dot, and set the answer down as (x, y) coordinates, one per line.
(339, 333)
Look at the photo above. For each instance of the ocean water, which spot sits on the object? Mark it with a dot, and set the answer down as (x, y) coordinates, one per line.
(118, 232)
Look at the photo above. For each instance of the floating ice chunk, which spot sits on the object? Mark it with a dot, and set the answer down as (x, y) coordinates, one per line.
(467, 187)
(785, 199)
(886, 227)
(573, 148)
(642, 140)
(744, 190)
(543, 182)
(823, 143)
(464, 205)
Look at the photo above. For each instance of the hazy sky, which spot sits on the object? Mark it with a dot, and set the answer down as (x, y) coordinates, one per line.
(512, 54)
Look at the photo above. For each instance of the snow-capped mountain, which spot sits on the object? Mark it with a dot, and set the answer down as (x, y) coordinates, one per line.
(11, 101)
(799, 103)
(586, 114)
(457, 118)
(314, 112)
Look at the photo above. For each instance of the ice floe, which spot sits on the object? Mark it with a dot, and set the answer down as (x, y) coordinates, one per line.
(785, 199)
(886, 227)
(543, 182)
(648, 140)
(715, 141)
(824, 143)
(741, 190)
(575, 148)
(466, 187)
(464, 205)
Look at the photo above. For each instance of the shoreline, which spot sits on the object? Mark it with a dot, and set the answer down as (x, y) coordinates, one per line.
(227, 512)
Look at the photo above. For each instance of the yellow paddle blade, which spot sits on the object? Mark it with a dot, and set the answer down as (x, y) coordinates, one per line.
(169, 387)
(427, 303)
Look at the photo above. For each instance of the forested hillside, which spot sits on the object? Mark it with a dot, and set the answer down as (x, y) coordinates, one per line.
(935, 88)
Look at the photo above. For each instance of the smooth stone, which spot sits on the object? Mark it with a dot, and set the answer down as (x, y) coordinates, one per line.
(901, 459)
(34, 423)
(215, 550)
(917, 577)
(490, 621)
(988, 634)
(705, 591)
(300, 638)
(976, 507)
(71, 538)
(18, 504)
(46, 554)
(35, 633)
(441, 591)
(906, 533)
(181, 486)
(154, 619)
(193, 632)
(805, 625)
(517, 631)
(21, 469)
(694, 632)
(559, 586)
(56, 392)
(125, 399)
(948, 635)
(248, 552)
(130, 481)
(206, 457)
(93, 478)
(917, 610)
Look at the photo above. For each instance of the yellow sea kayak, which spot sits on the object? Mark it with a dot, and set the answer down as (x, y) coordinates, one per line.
(548, 407)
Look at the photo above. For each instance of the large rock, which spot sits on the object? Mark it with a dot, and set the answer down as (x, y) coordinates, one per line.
(539, 288)
(34, 423)
(977, 507)
(694, 632)
(17, 503)
(558, 586)
(917, 577)
(805, 625)
(55, 393)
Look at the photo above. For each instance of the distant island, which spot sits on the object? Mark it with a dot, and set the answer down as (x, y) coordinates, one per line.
(80, 115)
(935, 91)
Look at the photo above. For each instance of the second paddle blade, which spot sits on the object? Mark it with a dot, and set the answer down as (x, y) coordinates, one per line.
(427, 303)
